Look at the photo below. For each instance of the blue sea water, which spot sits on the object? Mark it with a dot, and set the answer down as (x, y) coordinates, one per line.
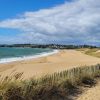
(16, 54)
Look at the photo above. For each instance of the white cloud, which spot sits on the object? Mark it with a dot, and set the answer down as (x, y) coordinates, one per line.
(73, 22)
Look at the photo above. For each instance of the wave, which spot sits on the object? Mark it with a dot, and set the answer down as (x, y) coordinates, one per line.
(13, 59)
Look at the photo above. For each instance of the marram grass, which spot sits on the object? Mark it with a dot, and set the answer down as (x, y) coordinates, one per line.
(49, 87)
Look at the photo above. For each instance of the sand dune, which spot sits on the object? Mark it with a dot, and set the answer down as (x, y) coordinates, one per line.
(65, 59)
(91, 93)
(98, 51)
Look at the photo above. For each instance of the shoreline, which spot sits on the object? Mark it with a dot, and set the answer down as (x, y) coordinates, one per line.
(48, 64)
(24, 58)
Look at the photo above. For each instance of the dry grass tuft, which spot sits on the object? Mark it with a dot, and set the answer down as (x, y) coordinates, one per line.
(57, 86)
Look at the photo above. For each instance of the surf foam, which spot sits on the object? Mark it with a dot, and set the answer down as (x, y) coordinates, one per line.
(13, 59)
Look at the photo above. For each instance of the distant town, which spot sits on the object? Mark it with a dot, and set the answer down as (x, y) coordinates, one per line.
(53, 46)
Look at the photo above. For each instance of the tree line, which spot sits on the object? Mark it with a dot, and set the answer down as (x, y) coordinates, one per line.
(53, 46)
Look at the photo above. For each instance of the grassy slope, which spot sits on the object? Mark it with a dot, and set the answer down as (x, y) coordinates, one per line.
(93, 92)
(93, 52)
(58, 86)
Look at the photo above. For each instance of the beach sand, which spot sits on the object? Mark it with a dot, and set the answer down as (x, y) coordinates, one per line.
(64, 59)
(91, 94)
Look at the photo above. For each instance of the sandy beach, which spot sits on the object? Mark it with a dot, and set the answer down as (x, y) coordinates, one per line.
(64, 59)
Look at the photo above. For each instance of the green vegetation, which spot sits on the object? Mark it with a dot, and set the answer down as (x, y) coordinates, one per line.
(93, 52)
(58, 86)
(53, 46)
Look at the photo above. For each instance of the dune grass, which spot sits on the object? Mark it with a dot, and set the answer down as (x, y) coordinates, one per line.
(93, 52)
(57, 86)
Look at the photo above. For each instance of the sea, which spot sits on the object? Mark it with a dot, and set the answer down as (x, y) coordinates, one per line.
(8, 54)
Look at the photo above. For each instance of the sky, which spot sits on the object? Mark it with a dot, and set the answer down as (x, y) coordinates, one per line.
(50, 21)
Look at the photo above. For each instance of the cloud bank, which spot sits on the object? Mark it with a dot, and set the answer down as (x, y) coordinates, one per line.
(75, 22)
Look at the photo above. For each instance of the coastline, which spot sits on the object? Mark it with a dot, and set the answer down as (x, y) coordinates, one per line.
(48, 64)
(15, 59)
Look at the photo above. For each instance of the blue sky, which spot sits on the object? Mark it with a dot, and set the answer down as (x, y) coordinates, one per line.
(12, 8)
(50, 21)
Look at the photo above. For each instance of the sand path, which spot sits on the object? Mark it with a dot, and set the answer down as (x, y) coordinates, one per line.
(91, 94)
(63, 60)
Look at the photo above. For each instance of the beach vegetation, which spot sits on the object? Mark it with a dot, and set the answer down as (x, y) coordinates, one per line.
(92, 52)
(57, 86)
